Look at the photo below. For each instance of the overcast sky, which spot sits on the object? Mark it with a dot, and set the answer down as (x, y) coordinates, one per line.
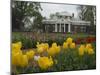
(49, 8)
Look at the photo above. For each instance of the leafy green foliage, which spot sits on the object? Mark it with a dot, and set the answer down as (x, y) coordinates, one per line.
(22, 11)
(87, 13)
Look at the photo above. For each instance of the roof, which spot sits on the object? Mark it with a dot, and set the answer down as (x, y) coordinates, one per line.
(64, 14)
(78, 22)
(49, 21)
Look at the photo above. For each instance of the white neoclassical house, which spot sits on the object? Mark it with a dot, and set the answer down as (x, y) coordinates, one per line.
(65, 22)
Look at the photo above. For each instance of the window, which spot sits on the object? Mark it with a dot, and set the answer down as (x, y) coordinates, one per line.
(62, 27)
(53, 27)
(58, 25)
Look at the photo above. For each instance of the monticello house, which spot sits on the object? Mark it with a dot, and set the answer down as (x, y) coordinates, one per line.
(65, 22)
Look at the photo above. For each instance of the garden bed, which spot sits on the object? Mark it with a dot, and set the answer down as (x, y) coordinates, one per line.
(54, 57)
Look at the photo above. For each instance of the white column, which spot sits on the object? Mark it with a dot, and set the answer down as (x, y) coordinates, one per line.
(64, 27)
(69, 28)
(60, 28)
(55, 27)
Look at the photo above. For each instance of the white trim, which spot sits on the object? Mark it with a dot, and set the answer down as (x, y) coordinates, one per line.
(55, 27)
(60, 28)
(69, 28)
(64, 28)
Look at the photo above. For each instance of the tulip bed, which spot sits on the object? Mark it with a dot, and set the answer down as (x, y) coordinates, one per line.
(45, 58)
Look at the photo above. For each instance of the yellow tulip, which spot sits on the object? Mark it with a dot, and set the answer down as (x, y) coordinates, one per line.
(72, 45)
(57, 49)
(81, 50)
(69, 40)
(88, 46)
(24, 61)
(14, 62)
(38, 45)
(30, 54)
(16, 46)
(54, 44)
(53, 50)
(45, 46)
(42, 47)
(16, 58)
(45, 62)
(65, 45)
(90, 51)
(40, 50)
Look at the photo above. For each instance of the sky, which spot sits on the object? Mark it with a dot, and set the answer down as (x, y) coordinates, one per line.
(49, 8)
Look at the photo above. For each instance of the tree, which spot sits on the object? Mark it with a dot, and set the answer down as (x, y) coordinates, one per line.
(87, 13)
(21, 13)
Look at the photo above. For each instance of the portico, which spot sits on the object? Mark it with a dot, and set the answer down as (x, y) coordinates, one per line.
(62, 27)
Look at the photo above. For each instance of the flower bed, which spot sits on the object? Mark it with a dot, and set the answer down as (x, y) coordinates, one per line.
(45, 58)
